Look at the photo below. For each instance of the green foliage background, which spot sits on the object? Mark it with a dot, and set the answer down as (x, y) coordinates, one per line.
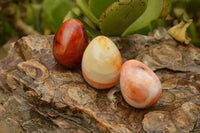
(45, 17)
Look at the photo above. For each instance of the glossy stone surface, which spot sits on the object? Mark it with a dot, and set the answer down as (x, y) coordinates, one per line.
(69, 43)
(101, 63)
(140, 87)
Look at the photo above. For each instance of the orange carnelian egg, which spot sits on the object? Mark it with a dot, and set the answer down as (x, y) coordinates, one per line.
(140, 86)
(101, 63)
(70, 43)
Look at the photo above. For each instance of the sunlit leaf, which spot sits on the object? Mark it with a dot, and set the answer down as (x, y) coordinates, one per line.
(120, 15)
(90, 31)
(29, 18)
(47, 8)
(192, 31)
(166, 8)
(99, 6)
(54, 11)
(83, 4)
(59, 11)
(154, 8)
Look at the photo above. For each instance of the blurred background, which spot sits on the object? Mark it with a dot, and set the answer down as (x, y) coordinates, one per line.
(25, 17)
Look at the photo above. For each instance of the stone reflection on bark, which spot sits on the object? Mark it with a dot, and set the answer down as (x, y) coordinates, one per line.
(38, 95)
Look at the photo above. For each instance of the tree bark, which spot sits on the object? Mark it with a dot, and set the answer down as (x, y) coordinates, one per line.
(39, 95)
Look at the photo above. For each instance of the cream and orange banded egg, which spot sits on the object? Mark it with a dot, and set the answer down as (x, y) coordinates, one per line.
(140, 86)
(101, 63)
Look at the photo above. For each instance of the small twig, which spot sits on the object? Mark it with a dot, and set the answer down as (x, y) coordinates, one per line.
(15, 19)
(23, 27)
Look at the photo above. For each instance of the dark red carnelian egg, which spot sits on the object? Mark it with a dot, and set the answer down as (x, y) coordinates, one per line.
(70, 43)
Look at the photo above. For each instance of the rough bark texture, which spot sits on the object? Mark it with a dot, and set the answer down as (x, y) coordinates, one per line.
(38, 95)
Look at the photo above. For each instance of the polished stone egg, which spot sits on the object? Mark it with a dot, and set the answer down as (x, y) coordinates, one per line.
(140, 86)
(101, 63)
(70, 43)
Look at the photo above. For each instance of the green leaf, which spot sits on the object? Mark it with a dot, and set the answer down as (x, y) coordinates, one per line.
(73, 13)
(37, 9)
(154, 8)
(192, 31)
(83, 4)
(99, 6)
(47, 8)
(90, 31)
(154, 24)
(69, 15)
(7, 31)
(59, 11)
(166, 8)
(193, 6)
(54, 11)
(120, 15)
(29, 18)
(76, 10)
